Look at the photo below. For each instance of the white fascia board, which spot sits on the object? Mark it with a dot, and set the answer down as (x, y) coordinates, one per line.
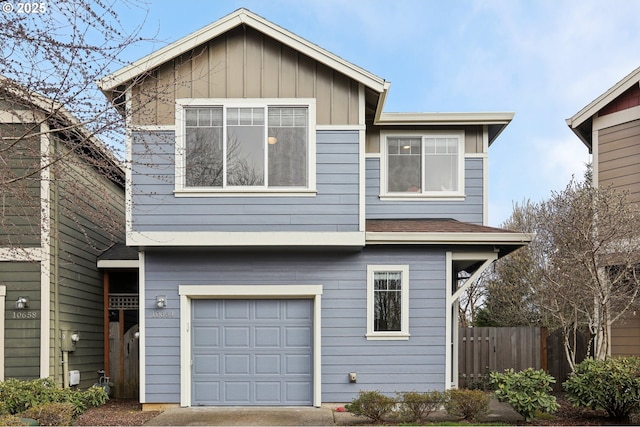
(486, 118)
(119, 263)
(245, 239)
(239, 17)
(600, 102)
(390, 238)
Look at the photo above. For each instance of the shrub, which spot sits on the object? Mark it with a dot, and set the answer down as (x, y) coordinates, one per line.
(11, 420)
(17, 396)
(51, 414)
(528, 391)
(371, 404)
(416, 407)
(467, 404)
(612, 385)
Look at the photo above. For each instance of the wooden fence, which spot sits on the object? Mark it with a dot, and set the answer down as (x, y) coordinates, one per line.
(482, 350)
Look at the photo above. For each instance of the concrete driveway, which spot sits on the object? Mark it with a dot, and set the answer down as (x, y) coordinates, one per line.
(296, 416)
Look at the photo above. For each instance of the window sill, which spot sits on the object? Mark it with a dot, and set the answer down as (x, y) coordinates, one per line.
(207, 192)
(398, 336)
(423, 197)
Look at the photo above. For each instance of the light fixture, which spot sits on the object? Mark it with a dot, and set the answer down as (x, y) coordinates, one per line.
(22, 303)
(161, 301)
(272, 140)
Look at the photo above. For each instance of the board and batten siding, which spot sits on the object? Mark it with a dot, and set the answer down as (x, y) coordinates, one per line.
(469, 210)
(334, 208)
(619, 158)
(388, 366)
(22, 327)
(244, 63)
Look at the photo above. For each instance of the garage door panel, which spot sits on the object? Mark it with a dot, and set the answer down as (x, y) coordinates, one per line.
(298, 365)
(206, 336)
(297, 309)
(237, 364)
(259, 352)
(298, 337)
(268, 364)
(237, 392)
(298, 392)
(268, 310)
(236, 309)
(208, 393)
(206, 364)
(268, 337)
(237, 336)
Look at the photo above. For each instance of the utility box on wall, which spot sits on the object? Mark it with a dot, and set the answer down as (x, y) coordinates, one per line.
(74, 377)
(68, 340)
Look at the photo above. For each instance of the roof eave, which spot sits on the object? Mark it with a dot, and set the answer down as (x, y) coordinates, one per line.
(600, 102)
(438, 238)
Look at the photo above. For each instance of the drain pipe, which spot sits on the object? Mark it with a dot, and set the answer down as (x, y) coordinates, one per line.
(65, 368)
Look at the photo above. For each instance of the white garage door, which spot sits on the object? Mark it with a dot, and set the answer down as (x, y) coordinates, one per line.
(252, 352)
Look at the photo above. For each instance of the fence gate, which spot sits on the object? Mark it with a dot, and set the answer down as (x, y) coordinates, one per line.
(123, 348)
(485, 349)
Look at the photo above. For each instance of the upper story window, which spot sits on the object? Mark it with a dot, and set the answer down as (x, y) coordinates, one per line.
(245, 145)
(418, 165)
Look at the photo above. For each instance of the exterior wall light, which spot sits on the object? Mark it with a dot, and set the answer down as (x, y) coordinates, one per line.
(22, 303)
(161, 301)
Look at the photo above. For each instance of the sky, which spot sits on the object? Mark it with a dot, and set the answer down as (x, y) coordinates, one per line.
(544, 60)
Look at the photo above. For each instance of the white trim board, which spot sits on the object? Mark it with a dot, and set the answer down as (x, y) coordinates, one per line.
(240, 239)
(190, 292)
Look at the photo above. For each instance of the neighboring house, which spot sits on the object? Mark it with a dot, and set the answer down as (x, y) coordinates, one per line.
(610, 128)
(297, 244)
(61, 204)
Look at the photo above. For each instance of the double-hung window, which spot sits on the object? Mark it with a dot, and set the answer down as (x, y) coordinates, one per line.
(388, 302)
(423, 164)
(245, 146)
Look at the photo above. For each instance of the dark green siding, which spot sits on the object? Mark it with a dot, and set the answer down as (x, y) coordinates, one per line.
(22, 327)
(89, 218)
(20, 199)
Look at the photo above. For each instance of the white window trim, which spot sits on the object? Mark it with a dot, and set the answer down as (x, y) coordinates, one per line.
(427, 195)
(181, 190)
(403, 334)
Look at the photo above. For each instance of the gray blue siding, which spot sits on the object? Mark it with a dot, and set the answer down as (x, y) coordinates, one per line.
(468, 210)
(334, 209)
(388, 366)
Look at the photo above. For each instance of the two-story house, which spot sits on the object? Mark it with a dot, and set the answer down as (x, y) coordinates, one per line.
(297, 244)
(610, 128)
(61, 205)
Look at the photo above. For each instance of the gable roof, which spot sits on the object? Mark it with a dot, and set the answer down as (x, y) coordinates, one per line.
(496, 122)
(241, 17)
(581, 122)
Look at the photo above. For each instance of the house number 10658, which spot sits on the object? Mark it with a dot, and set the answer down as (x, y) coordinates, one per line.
(162, 314)
(25, 314)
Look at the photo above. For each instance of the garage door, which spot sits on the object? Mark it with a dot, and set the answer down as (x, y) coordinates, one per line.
(252, 352)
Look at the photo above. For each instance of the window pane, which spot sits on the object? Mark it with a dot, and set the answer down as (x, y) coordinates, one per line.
(387, 301)
(245, 155)
(441, 166)
(288, 146)
(204, 157)
(404, 165)
(203, 147)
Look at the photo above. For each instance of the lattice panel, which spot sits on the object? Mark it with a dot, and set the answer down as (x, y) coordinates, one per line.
(123, 302)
